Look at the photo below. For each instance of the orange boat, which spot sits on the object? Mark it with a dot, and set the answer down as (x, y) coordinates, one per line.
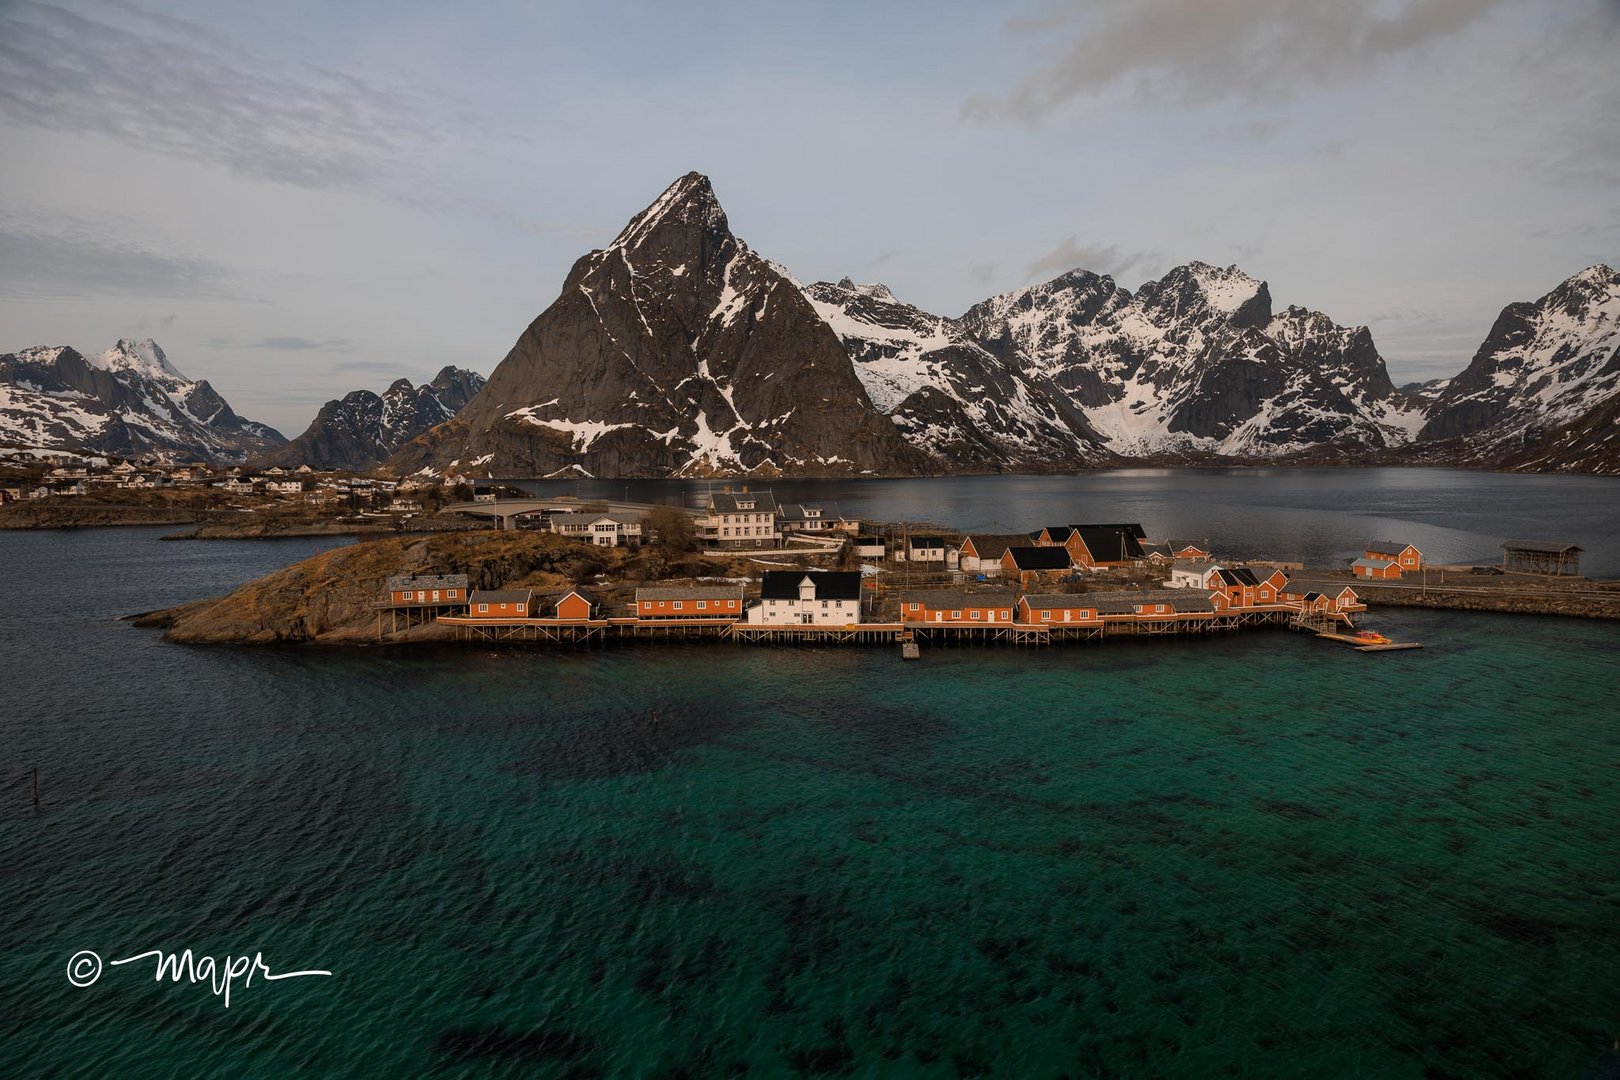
(1371, 637)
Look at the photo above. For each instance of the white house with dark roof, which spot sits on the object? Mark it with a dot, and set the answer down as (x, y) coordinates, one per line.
(807, 598)
(814, 517)
(601, 530)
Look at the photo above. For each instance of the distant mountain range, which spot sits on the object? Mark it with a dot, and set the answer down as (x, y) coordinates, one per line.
(678, 351)
(127, 401)
(362, 430)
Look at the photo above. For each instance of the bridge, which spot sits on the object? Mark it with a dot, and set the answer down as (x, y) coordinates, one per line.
(507, 511)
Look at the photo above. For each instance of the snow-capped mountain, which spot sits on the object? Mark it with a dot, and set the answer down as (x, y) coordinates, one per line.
(128, 400)
(1544, 365)
(675, 351)
(362, 429)
(951, 397)
(1196, 364)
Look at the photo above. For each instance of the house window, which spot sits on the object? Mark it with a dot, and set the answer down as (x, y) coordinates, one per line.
(913, 607)
(703, 605)
(1046, 616)
(677, 605)
(482, 609)
(977, 613)
(956, 615)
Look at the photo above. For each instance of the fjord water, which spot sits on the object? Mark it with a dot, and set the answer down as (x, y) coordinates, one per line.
(1257, 855)
(1310, 515)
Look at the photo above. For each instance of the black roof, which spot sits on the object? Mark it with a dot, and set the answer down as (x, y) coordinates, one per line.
(1236, 575)
(1058, 534)
(927, 541)
(830, 584)
(1112, 543)
(1040, 558)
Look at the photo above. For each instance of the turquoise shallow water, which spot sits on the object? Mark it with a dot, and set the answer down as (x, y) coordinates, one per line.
(1252, 856)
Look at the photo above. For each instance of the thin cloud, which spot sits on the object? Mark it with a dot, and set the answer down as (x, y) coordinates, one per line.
(1194, 51)
(1098, 258)
(43, 265)
(161, 84)
(285, 344)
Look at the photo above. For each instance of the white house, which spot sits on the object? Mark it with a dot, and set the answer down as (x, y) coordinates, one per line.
(602, 530)
(1192, 575)
(810, 598)
(740, 518)
(923, 549)
(815, 517)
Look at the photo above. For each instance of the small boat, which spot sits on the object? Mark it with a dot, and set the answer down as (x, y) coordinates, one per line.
(1370, 637)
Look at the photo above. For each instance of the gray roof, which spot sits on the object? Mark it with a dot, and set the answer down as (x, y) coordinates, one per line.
(1379, 564)
(1055, 600)
(726, 503)
(1299, 588)
(502, 596)
(427, 581)
(1546, 546)
(1386, 547)
(799, 511)
(574, 517)
(955, 598)
(1124, 602)
(1199, 568)
(690, 592)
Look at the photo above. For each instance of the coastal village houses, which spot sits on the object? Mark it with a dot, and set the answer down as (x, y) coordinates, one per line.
(429, 590)
(990, 607)
(601, 530)
(1028, 565)
(980, 553)
(1405, 556)
(810, 598)
(815, 517)
(502, 604)
(739, 519)
(920, 549)
(1096, 546)
(720, 602)
(572, 606)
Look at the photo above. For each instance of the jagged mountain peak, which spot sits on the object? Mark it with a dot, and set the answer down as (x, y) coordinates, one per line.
(688, 202)
(1202, 291)
(145, 357)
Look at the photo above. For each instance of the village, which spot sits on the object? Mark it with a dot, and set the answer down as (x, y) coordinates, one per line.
(905, 584)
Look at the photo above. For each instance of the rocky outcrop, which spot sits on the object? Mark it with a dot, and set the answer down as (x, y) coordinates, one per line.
(129, 401)
(362, 430)
(675, 351)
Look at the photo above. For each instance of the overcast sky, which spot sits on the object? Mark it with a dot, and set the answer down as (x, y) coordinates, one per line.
(298, 199)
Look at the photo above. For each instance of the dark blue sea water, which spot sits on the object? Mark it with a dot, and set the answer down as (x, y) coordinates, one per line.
(1258, 855)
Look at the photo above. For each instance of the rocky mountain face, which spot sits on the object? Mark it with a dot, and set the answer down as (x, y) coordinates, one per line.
(1545, 367)
(127, 401)
(1196, 364)
(952, 398)
(362, 429)
(675, 351)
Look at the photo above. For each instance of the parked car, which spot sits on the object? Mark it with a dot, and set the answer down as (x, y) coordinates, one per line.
(1484, 569)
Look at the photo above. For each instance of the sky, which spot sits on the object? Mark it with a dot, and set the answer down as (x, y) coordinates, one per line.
(301, 199)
